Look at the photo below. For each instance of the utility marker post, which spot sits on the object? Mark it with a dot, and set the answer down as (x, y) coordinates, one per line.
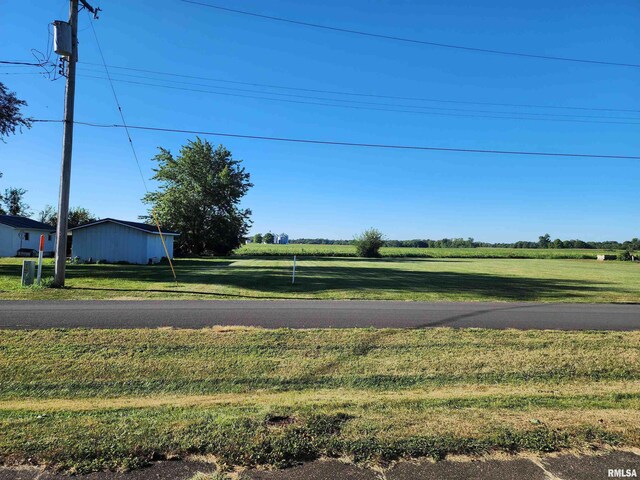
(293, 277)
(67, 143)
(40, 255)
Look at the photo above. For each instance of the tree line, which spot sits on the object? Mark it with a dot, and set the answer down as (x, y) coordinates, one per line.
(544, 241)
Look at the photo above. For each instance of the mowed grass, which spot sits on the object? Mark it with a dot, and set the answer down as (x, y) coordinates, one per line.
(85, 400)
(289, 250)
(459, 279)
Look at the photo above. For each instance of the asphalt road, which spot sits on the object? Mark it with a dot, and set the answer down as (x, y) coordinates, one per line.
(558, 467)
(316, 314)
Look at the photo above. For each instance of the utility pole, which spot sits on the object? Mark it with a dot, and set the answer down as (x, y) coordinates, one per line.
(67, 144)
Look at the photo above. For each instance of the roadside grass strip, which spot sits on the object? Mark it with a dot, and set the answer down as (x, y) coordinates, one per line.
(86, 400)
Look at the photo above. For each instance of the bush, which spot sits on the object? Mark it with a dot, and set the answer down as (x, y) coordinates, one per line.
(368, 243)
(626, 255)
(45, 282)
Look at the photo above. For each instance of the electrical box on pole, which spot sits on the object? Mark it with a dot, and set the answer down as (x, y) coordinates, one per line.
(62, 38)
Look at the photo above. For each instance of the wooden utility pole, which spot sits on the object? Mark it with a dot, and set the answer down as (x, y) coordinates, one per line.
(67, 144)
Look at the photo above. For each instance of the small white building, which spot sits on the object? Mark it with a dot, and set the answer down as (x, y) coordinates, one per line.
(282, 239)
(115, 241)
(22, 232)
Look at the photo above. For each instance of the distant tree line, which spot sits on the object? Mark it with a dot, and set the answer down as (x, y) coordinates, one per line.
(544, 241)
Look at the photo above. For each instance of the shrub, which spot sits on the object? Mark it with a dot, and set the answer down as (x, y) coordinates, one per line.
(45, 282)
(268, 238)
(626, 255)
(368, 243)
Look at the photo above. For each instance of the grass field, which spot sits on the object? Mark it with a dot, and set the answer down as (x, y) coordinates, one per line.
(403, 252)
(88, 399)
(343, 278)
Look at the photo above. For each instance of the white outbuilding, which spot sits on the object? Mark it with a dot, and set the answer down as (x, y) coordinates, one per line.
(282, 239)
(115, 241)
(22, 233)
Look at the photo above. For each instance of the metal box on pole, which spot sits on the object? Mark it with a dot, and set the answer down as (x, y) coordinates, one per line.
(62, 38)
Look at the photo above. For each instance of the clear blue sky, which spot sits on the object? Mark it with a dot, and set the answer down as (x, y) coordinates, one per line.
(335, 192)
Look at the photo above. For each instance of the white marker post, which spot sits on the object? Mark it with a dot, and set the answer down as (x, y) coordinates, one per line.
(40, 254)
(293, 277)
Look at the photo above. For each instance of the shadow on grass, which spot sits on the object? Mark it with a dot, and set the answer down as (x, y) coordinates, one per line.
(178, 291)
(274, 280)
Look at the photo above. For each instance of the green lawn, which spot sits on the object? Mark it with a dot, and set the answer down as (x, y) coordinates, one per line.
(429, 279)
(89, 399)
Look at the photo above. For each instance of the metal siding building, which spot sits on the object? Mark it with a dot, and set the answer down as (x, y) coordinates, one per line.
(22, 232)
(120, 241)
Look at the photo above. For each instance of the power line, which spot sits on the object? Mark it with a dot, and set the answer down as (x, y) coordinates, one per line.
(30, 64)
(535, 114)
(11, 66)
(351, 144)
(414, 41)
(354, 107)
(370, 95)
(22, 73)
(126, 129)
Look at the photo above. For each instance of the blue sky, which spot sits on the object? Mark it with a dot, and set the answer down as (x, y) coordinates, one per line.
(335, 192)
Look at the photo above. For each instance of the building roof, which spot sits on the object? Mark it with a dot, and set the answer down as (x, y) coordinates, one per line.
(145, 227)
(16, 221)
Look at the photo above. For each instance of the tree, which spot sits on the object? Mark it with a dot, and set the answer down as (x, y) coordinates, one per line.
(544, 241)
(199, 196)
(13, 200)
(48, 215)
(269, 238)
(10, 116)
(368, 243)
(77, 216)
(257, 238)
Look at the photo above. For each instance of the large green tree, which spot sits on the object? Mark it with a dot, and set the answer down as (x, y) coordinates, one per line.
(199, 197)
(10, 115)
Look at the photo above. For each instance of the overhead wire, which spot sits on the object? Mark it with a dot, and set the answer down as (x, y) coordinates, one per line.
(355, 107)
(359, 102)
(336, 92)
(133, 150)
(412, 40)
(30, 64)
(351, 144)
(360, 94)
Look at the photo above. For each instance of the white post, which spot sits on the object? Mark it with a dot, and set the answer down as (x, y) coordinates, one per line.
(293, 277)
(40, 254)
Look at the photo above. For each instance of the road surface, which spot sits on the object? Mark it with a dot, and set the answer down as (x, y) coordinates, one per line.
(316, 314)
(544, 467)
